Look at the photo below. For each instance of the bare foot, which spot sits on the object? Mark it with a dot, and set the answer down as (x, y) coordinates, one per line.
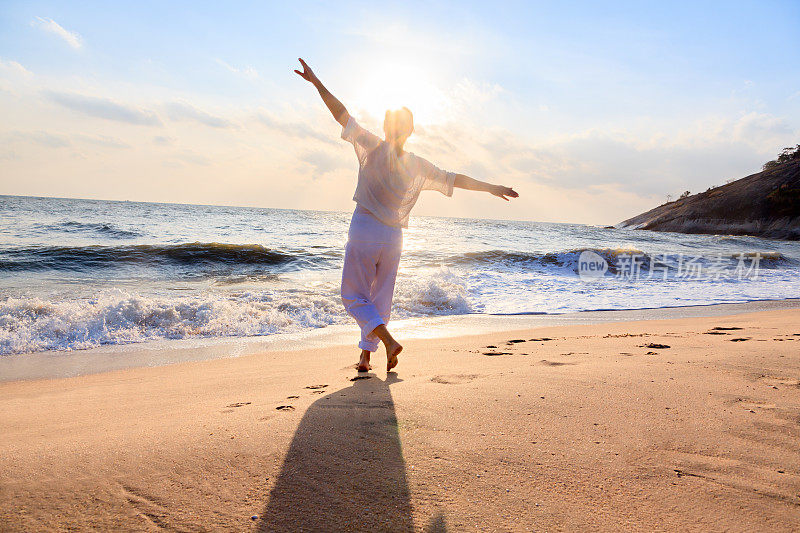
(392, 351)
(363, 363)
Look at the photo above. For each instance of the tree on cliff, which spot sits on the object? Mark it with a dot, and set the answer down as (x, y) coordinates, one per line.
(788, 154)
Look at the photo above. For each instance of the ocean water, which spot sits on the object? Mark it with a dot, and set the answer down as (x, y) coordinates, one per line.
(77, 274)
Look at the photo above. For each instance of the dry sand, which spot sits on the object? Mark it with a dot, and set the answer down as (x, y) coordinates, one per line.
(586, 428)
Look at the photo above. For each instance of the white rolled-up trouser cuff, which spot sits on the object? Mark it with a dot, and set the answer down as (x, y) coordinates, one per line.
(369, 341)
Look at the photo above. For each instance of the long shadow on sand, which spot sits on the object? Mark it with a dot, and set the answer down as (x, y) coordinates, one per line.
(344, 470)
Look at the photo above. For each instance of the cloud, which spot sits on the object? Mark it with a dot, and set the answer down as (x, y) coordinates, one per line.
(761, 127)
(762, 131)
(706, 154)
(104, 108)
(298, 130)
(468, 92)
(58, 140)
(182, 111)
(596, 159)
(187, 157)
(103, 140)
(162, 140)
(41, 138)
(246, 71)
(14, 68)
(51, 26)
(322, 162)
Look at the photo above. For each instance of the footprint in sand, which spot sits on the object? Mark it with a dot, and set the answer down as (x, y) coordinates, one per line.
(712, 332)
(292, 397)
(515, 341)
(285, 408)
(496, 353)
(541, 340)
(750, 403)
(359, 377)
(655, 346)
(722, 328)
(555, 363)
(740, 339)
(750, 406)
(682, 473)
(238, 404)
(315, 386)
(454, 379)
(774, 381)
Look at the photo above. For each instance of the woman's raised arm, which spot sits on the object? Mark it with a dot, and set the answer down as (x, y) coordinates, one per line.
(336, 108)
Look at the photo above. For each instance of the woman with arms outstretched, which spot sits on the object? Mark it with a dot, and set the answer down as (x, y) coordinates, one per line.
(389, 182)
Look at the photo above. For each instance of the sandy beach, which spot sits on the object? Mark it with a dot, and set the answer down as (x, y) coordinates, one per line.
(681, 424)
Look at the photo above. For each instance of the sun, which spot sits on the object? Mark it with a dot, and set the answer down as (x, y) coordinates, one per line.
(394, 84)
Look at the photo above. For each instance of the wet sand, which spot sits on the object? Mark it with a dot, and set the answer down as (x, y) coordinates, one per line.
(680, 424)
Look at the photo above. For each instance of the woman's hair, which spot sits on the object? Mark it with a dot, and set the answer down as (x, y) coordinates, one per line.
(400, 121)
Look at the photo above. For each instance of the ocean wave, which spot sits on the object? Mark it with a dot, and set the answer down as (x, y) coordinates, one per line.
(98, 228)
(440, 293)
(121, 317)
(765, 258)
(32, 258)
(567, 260)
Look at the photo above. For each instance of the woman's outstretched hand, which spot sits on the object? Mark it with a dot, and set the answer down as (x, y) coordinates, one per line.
(336, 108)
(501, 192)
(307, 73)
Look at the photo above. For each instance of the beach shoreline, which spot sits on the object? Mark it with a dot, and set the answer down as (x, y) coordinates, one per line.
(56, 364)
(624, 425)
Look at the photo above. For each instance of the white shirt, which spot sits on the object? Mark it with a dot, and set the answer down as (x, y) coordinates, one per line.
(388, 185)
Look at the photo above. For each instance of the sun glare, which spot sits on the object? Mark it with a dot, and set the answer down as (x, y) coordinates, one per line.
(393, 85)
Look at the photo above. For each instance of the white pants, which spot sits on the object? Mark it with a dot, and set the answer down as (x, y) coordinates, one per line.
(371, 258)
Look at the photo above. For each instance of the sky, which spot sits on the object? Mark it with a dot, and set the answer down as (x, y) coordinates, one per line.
(592, 111)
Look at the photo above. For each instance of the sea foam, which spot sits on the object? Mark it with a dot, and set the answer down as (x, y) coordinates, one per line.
(118, 316)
